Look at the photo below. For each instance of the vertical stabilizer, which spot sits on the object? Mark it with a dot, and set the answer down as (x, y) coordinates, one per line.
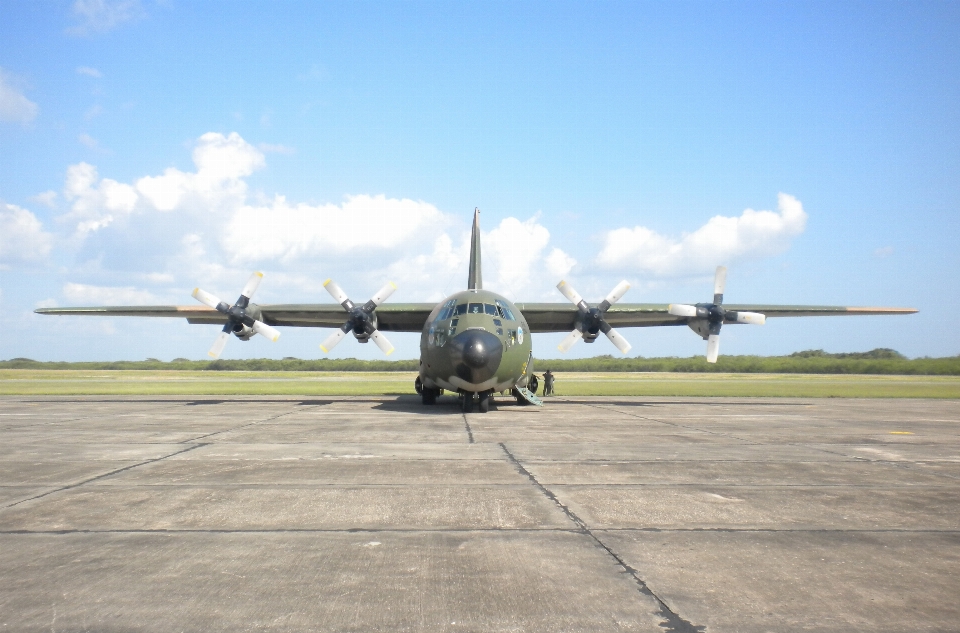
(475, 281)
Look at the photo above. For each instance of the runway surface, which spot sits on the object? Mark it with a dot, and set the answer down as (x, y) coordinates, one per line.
(377, 514)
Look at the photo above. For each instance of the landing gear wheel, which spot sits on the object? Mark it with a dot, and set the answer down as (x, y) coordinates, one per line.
(429, 396)
(466, 402)
(484, 405)
(418, 386)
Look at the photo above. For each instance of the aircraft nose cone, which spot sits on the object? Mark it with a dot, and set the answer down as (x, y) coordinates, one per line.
(476, 355)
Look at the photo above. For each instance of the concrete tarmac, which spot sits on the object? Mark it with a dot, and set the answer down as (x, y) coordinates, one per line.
(379, 514)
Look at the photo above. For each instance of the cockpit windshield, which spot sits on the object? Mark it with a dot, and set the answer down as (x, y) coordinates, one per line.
(505, 311)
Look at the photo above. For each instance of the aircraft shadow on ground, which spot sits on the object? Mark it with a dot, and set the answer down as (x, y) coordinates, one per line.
(445, 405)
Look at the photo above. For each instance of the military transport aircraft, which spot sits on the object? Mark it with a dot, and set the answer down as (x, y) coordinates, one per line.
(474, 343)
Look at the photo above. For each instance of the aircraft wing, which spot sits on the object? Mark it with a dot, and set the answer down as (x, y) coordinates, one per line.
(396, 317)
(562, 317)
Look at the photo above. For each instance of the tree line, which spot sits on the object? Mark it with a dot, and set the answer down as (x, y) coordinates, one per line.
(878, 361)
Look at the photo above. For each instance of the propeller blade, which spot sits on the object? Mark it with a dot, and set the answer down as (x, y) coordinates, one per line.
(617, 293)
(336, 292)
(206, 298)
(753, 318)
(681, 310)
(618, 340)
(332, 341)
(263, 329)
(567, 291)
(719, 283)
(382, 342)
(384, 293)
(218, 344)
(570, 340)
(713, 348)
(252, 284)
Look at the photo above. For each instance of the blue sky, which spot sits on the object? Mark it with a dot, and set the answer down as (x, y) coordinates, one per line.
(150, 147)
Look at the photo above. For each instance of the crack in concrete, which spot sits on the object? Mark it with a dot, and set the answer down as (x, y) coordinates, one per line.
(672, 621)
(243, 426)
(101, 476)
(466, 423)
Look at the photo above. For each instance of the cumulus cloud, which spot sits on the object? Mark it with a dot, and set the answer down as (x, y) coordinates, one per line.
(14, 106)
(285, 231)
(95, 202)
(206, 227)
(22, 237)
(514, 263)
(107, 295)
(513, 253)
(100, 16)
(89, 72)
(222, 163)
(721, 240)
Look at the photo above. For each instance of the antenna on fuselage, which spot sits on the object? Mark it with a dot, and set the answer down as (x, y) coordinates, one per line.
(475, 280)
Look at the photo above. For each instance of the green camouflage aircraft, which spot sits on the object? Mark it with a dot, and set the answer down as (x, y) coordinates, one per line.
(474, 343)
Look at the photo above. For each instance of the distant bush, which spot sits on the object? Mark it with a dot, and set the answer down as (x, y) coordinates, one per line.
(878, 361)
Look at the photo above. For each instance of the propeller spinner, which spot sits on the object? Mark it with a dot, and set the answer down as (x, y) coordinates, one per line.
(242, 318)
(361, 320)
(706, 319)
(590, 321)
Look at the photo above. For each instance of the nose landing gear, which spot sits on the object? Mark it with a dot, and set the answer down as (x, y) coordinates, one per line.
(484, 400)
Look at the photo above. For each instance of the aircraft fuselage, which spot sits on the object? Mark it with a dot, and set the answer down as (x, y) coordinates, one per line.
(474, 342)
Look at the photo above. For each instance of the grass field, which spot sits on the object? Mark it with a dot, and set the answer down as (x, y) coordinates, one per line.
(83, 382)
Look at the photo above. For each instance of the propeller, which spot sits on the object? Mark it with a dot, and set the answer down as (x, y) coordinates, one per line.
(708, 318)
(243, 319)
(590, 321)
(361, 320)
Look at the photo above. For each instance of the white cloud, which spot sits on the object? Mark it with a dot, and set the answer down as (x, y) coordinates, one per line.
(46, 198)
(286, 231)
(89, 72)
(513, 264)
(559, 263)
(100, 16)
(222, 162)
(107, 295)
(96, 203)
(22, 237)
(88, 141)
(885, 251)
(14, 106)
(721, 240)
(512, 252)
(93, 112)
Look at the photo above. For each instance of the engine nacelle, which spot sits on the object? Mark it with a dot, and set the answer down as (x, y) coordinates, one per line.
(243, 332)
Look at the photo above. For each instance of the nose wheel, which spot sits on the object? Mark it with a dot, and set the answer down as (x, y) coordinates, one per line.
(483, 401)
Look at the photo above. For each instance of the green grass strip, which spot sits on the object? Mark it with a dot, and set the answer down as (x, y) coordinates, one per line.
(30, 382)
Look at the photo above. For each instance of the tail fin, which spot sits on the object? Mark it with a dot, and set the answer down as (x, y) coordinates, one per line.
(475, 280)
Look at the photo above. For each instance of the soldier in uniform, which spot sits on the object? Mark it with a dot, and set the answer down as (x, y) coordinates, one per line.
(548, 383)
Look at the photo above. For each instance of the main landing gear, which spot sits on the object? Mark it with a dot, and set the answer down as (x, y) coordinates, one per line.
(428, 395)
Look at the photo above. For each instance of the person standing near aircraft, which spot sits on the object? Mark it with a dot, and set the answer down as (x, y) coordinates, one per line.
(548, 383)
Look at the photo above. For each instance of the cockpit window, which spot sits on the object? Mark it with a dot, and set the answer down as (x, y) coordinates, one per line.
(476, 308)
(490, 309)
(461, 309)
(505, 311)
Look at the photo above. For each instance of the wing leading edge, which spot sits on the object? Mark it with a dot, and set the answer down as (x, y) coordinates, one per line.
(562, 317)
(398, 317)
